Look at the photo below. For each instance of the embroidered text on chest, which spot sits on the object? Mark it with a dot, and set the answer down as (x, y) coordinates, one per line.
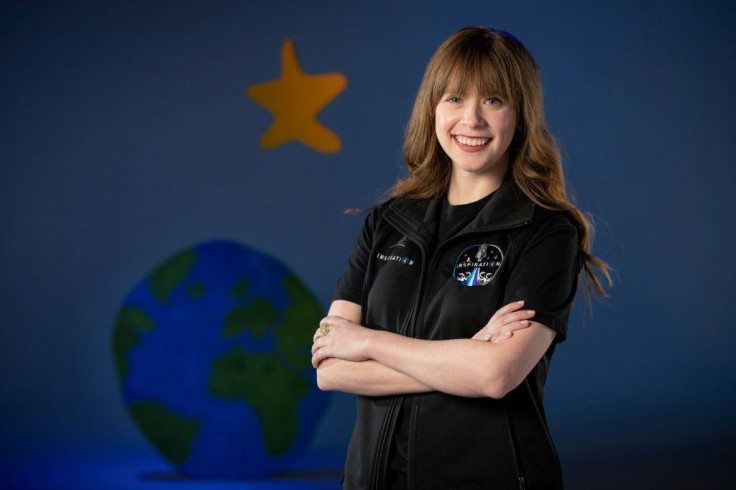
(401, 259)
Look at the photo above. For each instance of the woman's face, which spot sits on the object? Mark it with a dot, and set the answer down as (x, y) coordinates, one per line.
(475, 131)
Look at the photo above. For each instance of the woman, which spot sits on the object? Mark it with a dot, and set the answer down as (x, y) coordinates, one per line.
(482, 220)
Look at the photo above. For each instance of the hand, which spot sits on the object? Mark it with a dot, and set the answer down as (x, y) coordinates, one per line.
(340, 338)
(504, 322)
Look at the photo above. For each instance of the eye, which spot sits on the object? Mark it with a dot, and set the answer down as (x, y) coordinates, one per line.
(494, 101)
(452, 99)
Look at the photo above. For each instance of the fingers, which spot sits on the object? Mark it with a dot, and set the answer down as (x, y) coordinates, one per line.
(507, 314)
(500, 334)
(319, 352)
(316, 359)
(516, 305)
(323, 328)
(495, 339)
(510, 318)
(507, 331)
(317, 345)
(505, 322)
(331, 323)
(319, 342)
(321, 331)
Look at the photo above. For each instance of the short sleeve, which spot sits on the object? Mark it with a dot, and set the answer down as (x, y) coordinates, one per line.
(546, 275)
(350, 285)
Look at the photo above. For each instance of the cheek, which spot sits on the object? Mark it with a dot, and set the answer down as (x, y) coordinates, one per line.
(507, 124)
(438, 123)
(442, 131)
(439, 132)
(442, 122)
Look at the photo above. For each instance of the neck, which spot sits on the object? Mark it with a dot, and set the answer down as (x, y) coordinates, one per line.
(466, 187)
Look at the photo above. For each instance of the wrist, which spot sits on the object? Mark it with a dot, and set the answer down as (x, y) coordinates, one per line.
(372, 339)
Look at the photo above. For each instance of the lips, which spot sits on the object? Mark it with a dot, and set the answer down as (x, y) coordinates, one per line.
(466, 143)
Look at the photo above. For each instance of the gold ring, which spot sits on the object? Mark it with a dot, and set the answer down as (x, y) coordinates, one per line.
(324, 330)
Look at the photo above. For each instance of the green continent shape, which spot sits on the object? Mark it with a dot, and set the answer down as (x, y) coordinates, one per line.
(170, 433)
(168, 275)
(268, 387)
(301, 318)
(256, 316)
(131, 323)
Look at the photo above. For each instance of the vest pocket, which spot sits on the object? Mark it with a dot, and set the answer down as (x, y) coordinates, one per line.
(460, 443)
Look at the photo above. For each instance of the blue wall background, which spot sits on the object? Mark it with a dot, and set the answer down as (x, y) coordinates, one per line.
(126, 135)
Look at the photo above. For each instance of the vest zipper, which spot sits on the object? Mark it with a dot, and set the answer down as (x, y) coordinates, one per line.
(378, 478)
(514, 454)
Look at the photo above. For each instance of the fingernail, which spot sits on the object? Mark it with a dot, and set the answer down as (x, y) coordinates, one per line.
(507, 334)
(520, 302)
(530, 312)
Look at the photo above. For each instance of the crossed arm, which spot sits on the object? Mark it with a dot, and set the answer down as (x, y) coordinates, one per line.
(364, 361)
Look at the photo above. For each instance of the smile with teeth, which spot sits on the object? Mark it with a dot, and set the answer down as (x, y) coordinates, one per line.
(472, 141)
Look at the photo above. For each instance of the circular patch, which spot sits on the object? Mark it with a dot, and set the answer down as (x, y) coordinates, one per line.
(477, 264)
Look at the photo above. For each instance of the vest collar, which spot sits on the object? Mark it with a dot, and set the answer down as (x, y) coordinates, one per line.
(508, 208)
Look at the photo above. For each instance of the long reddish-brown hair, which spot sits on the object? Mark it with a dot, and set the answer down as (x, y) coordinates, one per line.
(495, 63)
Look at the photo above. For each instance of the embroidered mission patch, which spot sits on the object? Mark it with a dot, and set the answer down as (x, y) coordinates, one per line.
(477, 264)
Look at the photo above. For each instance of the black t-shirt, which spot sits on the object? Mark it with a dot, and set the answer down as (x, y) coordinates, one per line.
(452, 218)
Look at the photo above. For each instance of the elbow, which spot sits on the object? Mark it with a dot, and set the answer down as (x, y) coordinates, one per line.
(323, 382)
(497, 387)
(326, 375)
(495, 391)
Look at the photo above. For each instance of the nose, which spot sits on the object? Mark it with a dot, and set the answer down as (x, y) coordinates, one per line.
(472, 116)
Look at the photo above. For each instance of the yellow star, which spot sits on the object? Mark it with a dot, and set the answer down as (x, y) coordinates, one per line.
(295, 99)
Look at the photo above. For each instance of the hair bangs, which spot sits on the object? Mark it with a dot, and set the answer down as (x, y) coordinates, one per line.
(480, 69)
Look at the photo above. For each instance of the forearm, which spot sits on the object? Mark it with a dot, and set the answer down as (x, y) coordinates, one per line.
(360, 360)
(463, 367)
(369, 378)
(457, 367)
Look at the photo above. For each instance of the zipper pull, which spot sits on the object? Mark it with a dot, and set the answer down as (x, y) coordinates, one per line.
(522, 483)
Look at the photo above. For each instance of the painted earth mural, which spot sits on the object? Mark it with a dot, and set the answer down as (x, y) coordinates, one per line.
(212, 350)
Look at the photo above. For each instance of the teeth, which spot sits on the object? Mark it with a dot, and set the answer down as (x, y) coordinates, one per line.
(472, 141)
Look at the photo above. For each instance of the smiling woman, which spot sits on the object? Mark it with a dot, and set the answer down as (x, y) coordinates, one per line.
(460, 285)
